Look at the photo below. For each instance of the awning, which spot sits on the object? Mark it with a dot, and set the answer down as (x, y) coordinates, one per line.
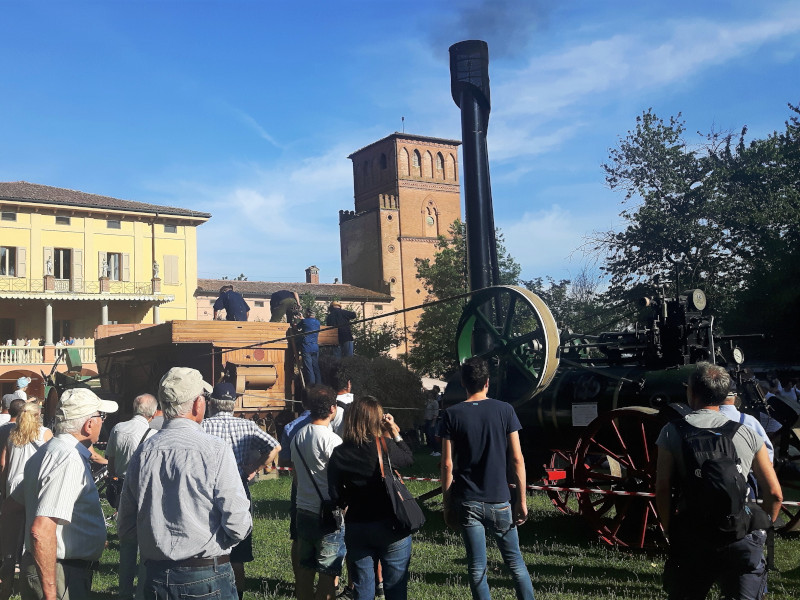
(105, 297)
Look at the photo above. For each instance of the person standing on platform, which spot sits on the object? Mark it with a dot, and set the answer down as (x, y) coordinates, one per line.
(340, 318)
(309, 348)
(281, 303)
(236, 309)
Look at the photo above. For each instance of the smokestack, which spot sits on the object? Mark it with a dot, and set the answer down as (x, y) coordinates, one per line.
(312, 274)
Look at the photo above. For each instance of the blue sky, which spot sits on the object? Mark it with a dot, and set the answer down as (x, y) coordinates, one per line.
(248, 110)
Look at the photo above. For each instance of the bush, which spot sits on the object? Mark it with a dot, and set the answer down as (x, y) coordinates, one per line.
(396, 388)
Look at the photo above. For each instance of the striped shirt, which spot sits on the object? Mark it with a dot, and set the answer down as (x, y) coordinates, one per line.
(58, 484)
(183, 497)
(243, 436)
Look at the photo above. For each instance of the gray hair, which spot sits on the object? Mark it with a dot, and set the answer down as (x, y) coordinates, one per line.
(220, 405)
(145, 405)
(172, 411)
(70, 425)
(709, 384)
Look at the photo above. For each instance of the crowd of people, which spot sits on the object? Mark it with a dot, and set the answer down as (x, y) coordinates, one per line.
(181, 488)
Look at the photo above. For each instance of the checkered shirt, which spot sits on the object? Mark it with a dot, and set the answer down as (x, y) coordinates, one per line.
(243, 436)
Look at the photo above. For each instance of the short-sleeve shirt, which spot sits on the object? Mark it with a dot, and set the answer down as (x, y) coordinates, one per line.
(746, 441)
(478, 432)
(58, 484)
(243, 436)
(316, 444)
(236, 308)
(289, 431)
(123, 440)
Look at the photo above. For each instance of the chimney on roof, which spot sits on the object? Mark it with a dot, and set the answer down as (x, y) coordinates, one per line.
(312, 274)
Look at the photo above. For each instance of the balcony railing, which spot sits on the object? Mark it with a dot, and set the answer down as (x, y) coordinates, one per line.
(34, 355)
(81, 286)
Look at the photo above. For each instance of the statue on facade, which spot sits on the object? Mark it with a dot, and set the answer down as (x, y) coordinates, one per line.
(104, 269)
(155, 269)
(49, 266)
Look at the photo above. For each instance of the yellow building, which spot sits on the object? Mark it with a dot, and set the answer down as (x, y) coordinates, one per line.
(70, 261)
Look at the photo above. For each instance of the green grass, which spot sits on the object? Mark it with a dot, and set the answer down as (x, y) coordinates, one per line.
(564, 558)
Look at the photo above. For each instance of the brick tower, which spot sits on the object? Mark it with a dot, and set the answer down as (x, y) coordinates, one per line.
(407, 193)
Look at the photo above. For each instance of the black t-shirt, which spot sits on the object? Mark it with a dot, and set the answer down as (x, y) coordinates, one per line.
(478, 432)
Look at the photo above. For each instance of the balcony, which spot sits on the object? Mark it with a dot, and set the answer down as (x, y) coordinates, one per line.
(75, 285)
(34, 355)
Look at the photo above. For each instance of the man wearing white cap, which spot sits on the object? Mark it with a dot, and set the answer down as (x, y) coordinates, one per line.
(65, 530)
(185, 542)
(22, 388)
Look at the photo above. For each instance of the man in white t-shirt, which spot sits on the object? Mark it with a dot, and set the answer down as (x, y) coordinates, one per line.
(344, 397)
(319, 551)
(4, 416)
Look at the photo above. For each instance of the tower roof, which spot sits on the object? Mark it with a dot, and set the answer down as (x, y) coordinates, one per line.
(408, 136)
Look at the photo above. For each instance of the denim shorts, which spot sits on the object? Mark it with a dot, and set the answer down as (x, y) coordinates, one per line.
(323, 553)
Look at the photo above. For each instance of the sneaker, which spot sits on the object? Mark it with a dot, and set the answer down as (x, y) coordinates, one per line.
(379, 590)
(434, 453)
(347, 593)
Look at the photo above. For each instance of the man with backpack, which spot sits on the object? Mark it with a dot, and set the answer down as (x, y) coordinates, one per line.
(715, 536)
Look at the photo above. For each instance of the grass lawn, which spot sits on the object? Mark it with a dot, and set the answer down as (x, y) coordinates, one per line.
(563, 557)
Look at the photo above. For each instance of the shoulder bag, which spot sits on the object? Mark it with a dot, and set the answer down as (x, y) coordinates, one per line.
(407, 512)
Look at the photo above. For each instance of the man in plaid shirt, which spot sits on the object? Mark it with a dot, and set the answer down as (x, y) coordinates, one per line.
(253, 449)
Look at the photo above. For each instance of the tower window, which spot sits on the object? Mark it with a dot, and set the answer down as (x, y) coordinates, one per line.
(416, 159)
(439, 162)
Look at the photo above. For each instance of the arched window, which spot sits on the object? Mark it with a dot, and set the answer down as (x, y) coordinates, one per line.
(416, 159)
(439, 166)
(430, 218)
(427, 165)
(402, 162)
(451, 172)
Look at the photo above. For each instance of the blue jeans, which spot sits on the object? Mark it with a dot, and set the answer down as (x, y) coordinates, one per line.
(345, 349)
(311, 368)
(368, 543)
(476, 520)
(191, 582)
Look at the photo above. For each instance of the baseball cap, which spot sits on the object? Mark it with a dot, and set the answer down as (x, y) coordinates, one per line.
(224, 391)
(181, 384)
(23, 381)
(82, 402)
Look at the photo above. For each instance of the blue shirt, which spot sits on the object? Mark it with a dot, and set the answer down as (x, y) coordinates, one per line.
(235, 306)
(309, 343)
(289, 431)
(478, 432)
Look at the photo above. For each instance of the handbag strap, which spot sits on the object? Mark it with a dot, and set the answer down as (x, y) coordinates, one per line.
(305, 464)
(380, 457)
(388, 458)
(144, 437)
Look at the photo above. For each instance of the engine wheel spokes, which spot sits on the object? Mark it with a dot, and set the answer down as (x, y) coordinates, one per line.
(617, 453)
(523, 340)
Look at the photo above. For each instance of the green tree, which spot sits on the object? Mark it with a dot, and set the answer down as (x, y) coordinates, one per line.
(445, 276)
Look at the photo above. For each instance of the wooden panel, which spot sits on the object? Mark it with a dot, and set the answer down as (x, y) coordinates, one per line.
(102, 331)
(230, 333)
(149, 337)
(329, 337)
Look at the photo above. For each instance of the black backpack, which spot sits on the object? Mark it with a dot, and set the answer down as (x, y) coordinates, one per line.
(713, 496)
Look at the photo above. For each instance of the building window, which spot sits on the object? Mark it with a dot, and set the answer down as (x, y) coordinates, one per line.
(415, 159)
(259, 304)
(439, 162)
(170, 229)
(62, 220)
(9, 216)
(114, 264)
(61, 330)
(114, 224)
(8, 261)
(379, 307)
(62, 263)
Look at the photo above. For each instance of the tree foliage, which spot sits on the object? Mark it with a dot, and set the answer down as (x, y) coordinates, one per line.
(721, 214)
(445, 276)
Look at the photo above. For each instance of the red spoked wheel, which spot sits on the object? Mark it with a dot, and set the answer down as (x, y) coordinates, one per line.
(566, 502)
(617, 453)
(788, 470)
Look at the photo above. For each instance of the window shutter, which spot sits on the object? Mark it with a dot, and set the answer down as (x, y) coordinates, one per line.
(100, 257)
(171, 268)
(77, 270)
(126, 269)
(22, 262)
